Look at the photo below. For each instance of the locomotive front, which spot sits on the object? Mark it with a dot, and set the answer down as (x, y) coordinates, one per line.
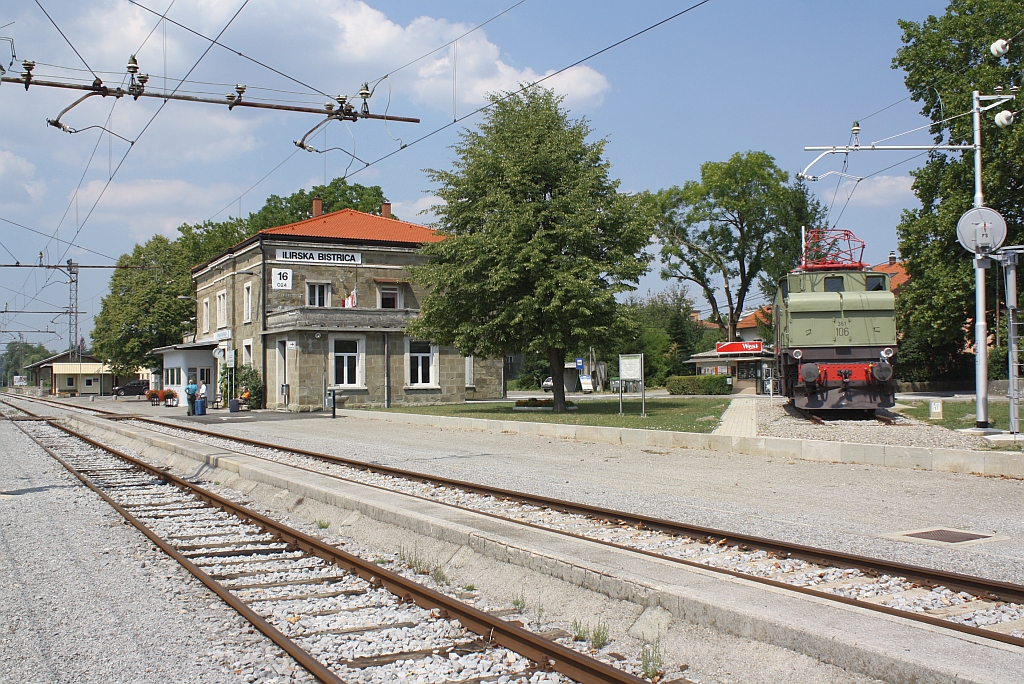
(835, 330)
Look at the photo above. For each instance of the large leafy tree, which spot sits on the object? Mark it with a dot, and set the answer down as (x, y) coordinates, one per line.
(946, 58)
(538, 238)
(736, 228)
(143, 310)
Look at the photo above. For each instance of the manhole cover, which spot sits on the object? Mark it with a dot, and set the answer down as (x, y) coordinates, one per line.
(947, 536)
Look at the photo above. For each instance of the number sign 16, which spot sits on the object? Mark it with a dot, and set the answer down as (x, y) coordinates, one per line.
(282, 278)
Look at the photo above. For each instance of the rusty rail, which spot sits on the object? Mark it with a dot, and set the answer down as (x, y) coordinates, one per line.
(548, 654)
(993, 590)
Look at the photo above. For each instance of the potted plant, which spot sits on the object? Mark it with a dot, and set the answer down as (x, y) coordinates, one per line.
(153, 396)
(170, 397)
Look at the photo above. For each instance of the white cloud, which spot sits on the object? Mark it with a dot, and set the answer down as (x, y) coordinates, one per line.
(20, 173)
(878, 191)
(417, 211)
(368, 37)
(157, 205)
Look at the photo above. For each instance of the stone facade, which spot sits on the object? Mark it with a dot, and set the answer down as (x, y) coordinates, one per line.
(273, 301)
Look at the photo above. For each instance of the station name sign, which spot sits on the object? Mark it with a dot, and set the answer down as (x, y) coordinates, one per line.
(738, 347)
(319, 257)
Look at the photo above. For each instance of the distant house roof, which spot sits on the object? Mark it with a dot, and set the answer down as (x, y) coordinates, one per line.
(61, 357)
(358, 226)
(750, 320)
(897, 273)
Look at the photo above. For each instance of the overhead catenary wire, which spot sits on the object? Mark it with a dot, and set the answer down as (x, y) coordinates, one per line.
(215, 41)
(530, 85)
(132, 146)
(56, 239)
(66, 39)
(451, 42)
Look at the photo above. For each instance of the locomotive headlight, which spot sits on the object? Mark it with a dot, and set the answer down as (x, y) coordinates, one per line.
(887, 353)
(882, 372)
(809, 372)
(797, 354)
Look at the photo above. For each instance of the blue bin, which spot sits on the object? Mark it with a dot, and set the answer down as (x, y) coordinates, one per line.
(200, 407)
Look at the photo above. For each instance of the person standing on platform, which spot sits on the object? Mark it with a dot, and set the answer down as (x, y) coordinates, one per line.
(190, 395)
(201, 394)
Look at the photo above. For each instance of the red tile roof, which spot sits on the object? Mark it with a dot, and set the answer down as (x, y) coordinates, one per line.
(352, 225)
(897, 273)
(750, 320)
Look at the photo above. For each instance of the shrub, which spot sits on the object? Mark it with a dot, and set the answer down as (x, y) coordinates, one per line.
(245, 376)
(167, 394)
(153, 394)
(698, 384)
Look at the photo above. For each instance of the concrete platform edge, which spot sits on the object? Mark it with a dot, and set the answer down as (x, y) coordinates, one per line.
(830, 644)
(988, 463)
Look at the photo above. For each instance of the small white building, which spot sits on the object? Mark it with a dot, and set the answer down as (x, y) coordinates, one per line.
(193, 360)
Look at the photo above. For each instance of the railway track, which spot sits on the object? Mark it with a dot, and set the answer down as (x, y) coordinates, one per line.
(974, 605)
(341, 617)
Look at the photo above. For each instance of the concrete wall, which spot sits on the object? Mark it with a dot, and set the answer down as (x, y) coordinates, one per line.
(487, 383)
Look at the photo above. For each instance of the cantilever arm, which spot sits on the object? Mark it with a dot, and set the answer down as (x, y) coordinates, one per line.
(56, 123)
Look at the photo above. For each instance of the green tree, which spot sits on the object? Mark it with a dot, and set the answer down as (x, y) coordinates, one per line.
(538, 238)
(946, 58)
(337, 195)
(17, 355)
(738, 224)
(142, 310)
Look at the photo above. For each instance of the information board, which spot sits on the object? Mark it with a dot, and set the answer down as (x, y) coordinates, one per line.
(229, 358)
(631, 366)
(21, 381)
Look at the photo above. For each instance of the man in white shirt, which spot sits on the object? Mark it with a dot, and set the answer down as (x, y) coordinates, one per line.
(201, 394)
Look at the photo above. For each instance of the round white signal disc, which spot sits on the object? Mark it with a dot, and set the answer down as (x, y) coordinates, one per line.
(981, 230)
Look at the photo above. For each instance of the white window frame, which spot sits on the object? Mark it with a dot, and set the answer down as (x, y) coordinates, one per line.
(206, 315)
(172, 376)
(247, 352)
(470, 375)
(435, 371)
(247, 302)
(360, 341)
(400, 303)
(327, 293)
(222, 309)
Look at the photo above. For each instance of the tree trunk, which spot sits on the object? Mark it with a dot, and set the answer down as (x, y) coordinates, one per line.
(556, 361)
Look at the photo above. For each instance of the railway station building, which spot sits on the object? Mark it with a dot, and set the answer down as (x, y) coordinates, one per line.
(322, 305)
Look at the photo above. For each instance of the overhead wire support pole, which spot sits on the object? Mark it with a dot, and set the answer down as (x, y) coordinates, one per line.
(981, 260)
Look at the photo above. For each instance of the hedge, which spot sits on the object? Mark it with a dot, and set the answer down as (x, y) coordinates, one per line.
(698, 384)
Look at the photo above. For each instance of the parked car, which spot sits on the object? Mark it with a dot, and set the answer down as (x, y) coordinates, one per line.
(548, 385)
(132, 388)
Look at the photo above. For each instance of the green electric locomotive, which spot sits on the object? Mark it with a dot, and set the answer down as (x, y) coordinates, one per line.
(835, 328)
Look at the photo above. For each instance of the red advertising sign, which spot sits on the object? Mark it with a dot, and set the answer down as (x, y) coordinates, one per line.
(738, 347)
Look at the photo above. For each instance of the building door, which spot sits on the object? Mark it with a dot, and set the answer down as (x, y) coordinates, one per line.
(282, 372)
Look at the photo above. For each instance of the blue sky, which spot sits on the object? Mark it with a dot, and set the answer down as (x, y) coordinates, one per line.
(733, 75)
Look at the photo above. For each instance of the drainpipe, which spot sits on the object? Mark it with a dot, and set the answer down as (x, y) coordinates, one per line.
(263, 319)
(387, 371)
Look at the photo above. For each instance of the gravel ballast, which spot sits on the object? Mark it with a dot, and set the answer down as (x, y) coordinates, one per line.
(780, 420)
(85, 597)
